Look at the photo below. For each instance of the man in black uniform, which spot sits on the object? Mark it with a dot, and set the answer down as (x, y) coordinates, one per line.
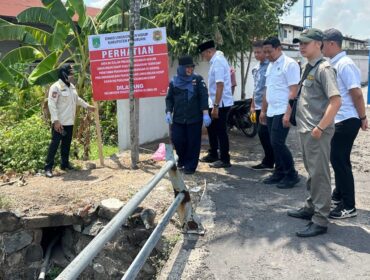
(186, 110)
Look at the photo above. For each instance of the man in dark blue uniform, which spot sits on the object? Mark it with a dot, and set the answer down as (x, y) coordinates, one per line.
(186, 110)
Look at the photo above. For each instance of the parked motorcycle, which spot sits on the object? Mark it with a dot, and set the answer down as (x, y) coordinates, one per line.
(240, 118)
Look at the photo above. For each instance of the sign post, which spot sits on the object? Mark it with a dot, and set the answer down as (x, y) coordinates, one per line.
(98, 133)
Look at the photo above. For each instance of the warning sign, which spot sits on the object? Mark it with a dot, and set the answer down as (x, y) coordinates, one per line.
(109, 64)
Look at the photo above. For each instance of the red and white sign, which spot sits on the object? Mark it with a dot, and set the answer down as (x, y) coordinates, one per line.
(109, 64)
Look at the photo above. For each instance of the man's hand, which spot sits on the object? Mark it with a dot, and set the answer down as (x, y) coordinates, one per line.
(90, 108)
(286, 122)
(262, 118)
(58, 127)
(214, 113)
(364, 124)
(316, 133)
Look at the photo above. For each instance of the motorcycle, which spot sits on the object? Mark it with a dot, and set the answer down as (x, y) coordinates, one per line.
(239, 117)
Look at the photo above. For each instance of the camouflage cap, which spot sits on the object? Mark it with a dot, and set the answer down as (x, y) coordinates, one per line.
(308, 35)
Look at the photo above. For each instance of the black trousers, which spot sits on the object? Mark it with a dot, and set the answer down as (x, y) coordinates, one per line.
(263, 135)
(56, 138)
(284, 164)
(217, 135)
(340, 158)
(187, 141)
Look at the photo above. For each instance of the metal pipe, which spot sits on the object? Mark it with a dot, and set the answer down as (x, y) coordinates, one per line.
(144, 253)
(82, 260)
(45, 264)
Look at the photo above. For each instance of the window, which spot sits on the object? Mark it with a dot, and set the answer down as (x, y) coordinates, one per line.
(285, 34)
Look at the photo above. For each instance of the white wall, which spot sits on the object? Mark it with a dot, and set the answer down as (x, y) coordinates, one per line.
(152, 125)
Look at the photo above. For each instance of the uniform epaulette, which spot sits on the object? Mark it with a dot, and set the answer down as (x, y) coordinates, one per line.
(325, 64)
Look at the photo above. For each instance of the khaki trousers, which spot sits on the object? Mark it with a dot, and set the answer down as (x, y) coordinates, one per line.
(316, 156)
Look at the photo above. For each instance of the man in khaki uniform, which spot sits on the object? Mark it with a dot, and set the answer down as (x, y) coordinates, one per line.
(62, 102)
(318, 103)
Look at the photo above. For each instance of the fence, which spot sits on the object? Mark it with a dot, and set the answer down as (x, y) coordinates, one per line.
(189, 221)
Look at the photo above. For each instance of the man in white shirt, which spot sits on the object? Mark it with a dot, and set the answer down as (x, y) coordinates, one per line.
(282, 78)
(348, 121)
(259, 76)
(62, 102)
(220, 101)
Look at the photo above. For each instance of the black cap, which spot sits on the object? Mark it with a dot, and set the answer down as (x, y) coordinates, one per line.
(186, 60)
(333, 34)
(206, 45)
(308, 35)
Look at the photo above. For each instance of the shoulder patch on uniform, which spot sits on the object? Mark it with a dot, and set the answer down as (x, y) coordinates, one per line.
(54, 94)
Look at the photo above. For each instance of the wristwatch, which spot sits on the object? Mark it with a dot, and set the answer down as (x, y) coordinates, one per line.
(363, 118)
(215, 105)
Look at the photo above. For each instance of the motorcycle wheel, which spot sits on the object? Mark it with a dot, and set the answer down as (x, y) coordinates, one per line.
(249, 130)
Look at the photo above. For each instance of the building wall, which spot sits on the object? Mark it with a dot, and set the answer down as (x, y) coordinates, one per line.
(152, 125)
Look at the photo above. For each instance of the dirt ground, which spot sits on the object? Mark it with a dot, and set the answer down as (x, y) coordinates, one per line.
(71, 191)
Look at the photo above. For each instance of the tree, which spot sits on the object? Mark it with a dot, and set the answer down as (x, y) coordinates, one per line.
(233, 24)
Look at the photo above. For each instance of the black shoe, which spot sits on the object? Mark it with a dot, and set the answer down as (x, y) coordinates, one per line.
(220, 164)
(48, 174)
(262, 166)
(273, 179)
(180, 167)
(341, 213)
(311, 230)
(68, 167)
(300, 214)
(189, 171)
(334, 203)
(209, 159)
(288, 183)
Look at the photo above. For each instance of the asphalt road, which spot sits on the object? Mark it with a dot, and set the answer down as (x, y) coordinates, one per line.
(250, 236)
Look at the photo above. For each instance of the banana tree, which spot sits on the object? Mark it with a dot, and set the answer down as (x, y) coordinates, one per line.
(60, 40)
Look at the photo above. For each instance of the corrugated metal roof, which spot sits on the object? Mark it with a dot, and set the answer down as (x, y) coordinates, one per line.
(11, 8)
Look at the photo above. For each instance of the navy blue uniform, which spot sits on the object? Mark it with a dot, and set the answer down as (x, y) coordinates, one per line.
(187, 113)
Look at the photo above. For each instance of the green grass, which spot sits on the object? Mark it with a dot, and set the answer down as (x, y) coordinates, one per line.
(4, 202)
(107, 151)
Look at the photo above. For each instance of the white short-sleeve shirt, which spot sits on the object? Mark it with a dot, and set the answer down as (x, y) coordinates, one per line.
(219, 71)
(280, 75)
(348, 77)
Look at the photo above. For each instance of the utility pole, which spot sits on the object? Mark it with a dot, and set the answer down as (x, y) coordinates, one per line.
(134, 102)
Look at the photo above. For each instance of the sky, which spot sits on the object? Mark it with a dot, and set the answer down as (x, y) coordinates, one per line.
(351, 17)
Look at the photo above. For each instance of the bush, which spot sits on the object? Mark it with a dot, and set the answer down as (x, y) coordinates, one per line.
(24, 146)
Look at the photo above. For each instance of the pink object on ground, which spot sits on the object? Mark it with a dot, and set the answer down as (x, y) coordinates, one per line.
(160, 153)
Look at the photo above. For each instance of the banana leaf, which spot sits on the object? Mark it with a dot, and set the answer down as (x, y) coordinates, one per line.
(21, 55)
(37, 15)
